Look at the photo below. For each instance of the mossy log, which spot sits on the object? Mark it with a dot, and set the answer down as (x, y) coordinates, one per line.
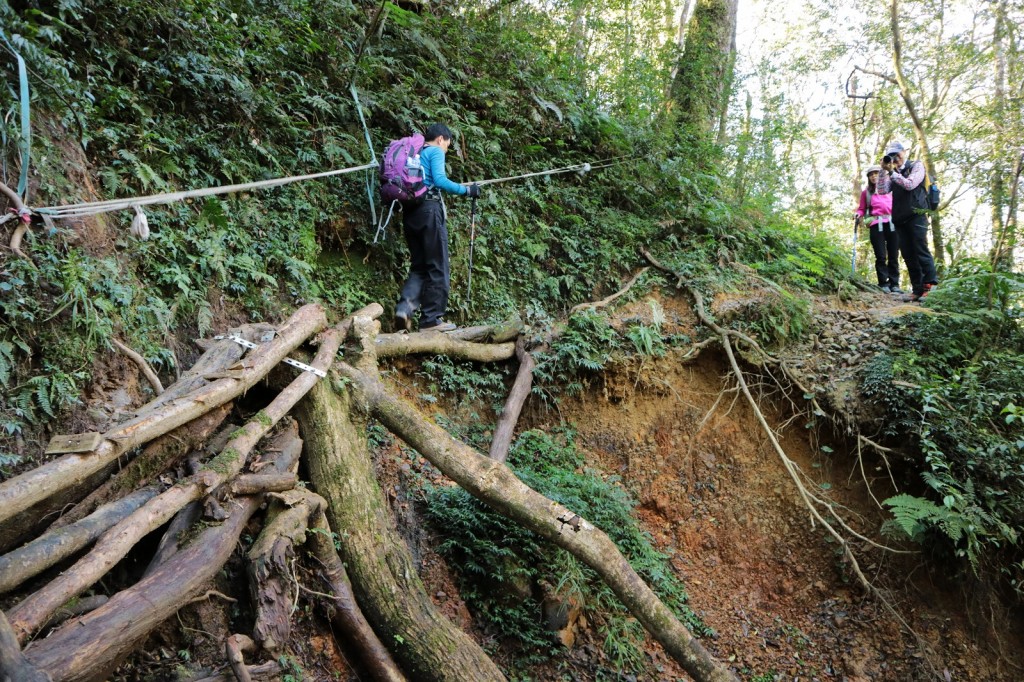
(21, 492)
(442, 344)
(427, 645)
(157, 457)
(89, 647)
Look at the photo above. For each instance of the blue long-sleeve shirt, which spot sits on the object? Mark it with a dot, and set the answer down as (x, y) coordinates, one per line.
(434, 175)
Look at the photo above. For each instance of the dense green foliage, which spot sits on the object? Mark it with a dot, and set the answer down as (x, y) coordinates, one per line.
(168, 95)
(955, 380)
(508, 571)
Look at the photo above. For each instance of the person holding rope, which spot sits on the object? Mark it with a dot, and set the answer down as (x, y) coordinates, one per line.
(426, 233)
(877, 208)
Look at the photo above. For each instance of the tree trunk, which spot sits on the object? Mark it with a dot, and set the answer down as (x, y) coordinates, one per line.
(427, 645)
(853, 137)
(700, 86)
(938, 243)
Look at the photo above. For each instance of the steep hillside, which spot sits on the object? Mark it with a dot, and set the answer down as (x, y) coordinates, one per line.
(722, 430)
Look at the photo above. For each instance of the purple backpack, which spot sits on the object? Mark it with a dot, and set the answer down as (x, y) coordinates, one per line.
(401, 175)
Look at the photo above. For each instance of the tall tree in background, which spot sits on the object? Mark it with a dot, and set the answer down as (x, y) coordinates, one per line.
(1006, 156)
(700, 89)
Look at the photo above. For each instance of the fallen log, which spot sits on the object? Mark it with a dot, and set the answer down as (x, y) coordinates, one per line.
(217, 356)
(496, 333)
(348, 617)
(494, 484)
(14, 667)
(157, 457)
(264, 672)
(89, 647)
(270, 575)
(21, 492)
(168, 546)
(56, 545)
(506, 426)
(29, 615)
(396, 345)
(378, 562)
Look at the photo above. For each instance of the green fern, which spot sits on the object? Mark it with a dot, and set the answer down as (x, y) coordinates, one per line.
(914, 515)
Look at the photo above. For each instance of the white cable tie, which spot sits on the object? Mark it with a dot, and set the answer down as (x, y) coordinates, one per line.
(288, 361)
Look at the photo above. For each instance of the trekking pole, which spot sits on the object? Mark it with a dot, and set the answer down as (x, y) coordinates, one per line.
(853, 261)
(472, 242)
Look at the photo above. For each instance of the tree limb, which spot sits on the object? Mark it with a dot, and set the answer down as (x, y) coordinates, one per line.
(514, 404)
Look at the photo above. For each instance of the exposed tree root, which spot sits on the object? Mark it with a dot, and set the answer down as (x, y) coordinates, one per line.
(609, 299)
(140, 362)
(22, 228)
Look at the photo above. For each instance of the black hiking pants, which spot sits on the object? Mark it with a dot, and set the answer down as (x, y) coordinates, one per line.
(913, 234)
(429, 275)
(886, 245)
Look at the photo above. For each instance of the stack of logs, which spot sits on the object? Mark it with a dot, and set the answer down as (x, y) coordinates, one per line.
(175, 463)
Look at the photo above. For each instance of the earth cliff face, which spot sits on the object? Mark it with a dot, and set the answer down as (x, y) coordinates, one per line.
(775, 586)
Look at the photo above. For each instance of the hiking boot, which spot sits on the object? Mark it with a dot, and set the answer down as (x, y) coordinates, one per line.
(439, 326)
(886, 290)
(403, 318)
(896, 290)
(928, 288)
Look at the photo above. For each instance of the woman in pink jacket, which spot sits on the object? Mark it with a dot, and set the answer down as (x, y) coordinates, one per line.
(877, 208)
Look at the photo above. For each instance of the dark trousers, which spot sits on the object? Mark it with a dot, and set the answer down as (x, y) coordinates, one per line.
(913, 235)
(429, 275)
(886, 244)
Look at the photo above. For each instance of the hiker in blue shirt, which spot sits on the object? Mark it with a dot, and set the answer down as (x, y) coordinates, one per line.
(426, 233)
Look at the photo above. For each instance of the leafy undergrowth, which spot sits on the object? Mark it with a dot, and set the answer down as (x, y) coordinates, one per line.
(508, 574)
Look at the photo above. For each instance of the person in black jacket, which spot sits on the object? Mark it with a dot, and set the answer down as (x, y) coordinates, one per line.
(905, 179)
